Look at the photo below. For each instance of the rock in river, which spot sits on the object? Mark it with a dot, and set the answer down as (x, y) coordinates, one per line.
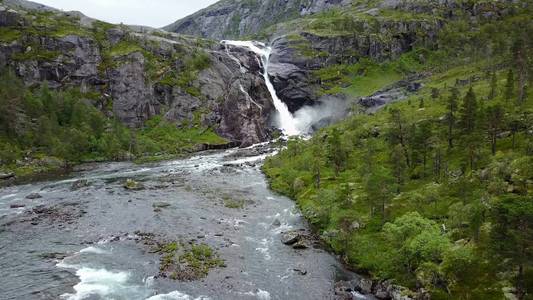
(161, 204)
(34, 196)
(290, 238)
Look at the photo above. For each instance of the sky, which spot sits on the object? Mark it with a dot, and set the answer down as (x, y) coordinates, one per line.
(154, 13)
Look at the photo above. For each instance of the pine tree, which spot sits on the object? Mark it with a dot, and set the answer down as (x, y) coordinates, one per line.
(336, 153)
(435, 93)
(399, 167)
(494, 123)
(493, 86)
(469, 112)
(520, 60)
(450, 118)
(398, 133)
(509, 85)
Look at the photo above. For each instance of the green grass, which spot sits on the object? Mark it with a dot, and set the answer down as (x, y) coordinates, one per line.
(8, 34)
(124, 48)
(371, 82)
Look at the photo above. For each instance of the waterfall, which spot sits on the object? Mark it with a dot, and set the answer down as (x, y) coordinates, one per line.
(286, 120)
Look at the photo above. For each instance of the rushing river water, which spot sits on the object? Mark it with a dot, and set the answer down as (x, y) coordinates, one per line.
(78, 241)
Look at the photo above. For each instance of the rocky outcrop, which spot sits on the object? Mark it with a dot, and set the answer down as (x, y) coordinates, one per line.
(123, 73)
(345, 290)
(236, 18)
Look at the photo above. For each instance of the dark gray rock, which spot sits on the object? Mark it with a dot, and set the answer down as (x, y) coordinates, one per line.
(79, 184)
(290, 238)
(301, 244)
(34, 196)
(8, 17)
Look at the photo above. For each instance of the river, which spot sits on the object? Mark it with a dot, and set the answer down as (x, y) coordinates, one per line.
(80, 239)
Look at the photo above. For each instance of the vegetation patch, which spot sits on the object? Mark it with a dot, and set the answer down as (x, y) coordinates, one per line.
(234, 203)
(187, 262)
(434, 191)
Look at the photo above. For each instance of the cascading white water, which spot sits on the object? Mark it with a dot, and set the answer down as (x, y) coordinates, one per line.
(286, 120)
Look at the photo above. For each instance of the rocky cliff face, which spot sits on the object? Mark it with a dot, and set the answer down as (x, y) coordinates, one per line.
(136, 75)
(230, 19)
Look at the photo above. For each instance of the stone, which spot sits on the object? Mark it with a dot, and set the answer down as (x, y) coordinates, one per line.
(301, 244)
(33, 196)
(4, 176)
(276, 223)
(79, 184)
(160, 204)
(365, 285)
(290, 238)
(300, 271)
(17, 205)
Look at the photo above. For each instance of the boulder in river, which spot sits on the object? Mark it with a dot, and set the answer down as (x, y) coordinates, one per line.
(17, 205)
(79, 184)
(4, 176)
(33, 196)
(290, 238)
(160, 205)
(301, 244)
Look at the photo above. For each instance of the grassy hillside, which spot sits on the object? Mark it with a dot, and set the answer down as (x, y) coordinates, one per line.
(436, 191)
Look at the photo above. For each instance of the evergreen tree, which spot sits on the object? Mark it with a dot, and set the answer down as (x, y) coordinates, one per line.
(423, 141)
(520, 59)
(378, 190)
(336, 153)
(469, 112)
(493, 86)
(512, 235)
(397, 133)
(435, 93)
(399, 167)
(494, 123)
(509, 86)
(450, 118)
(316, 164)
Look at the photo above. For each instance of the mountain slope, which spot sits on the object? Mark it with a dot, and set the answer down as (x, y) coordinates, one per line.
(233, 19)
(432, 192)
(147, 80)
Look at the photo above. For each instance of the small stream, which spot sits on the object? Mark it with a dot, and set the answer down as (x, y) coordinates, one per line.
(79, 240)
